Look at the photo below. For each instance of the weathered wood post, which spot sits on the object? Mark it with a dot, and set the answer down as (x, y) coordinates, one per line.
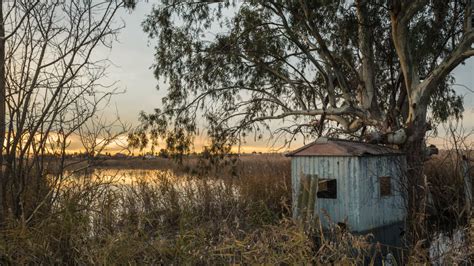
(303, 192)
(313, 190)
(307, 198)
(467, 183)
(468, 197)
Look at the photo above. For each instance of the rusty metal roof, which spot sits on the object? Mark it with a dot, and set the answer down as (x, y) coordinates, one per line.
(340, 147)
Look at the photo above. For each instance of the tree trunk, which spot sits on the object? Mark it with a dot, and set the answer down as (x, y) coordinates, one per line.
(414, 149)
(416, 191)
(3, 207)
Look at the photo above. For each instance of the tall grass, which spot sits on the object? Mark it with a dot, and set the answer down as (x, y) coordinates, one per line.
(166, 218)
(447, 213)
(446, 205)
(239, 213)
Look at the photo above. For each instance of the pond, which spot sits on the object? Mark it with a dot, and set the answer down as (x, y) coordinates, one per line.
(126, 178)
(127, 184)
(111, 198)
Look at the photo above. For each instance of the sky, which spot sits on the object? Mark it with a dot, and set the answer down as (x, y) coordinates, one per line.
(132, 58)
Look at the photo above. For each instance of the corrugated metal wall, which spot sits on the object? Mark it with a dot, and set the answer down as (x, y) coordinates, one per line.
(344, 170)
(376, 210)
(358, 200)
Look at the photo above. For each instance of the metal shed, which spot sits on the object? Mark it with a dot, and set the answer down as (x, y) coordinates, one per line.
(356, 183)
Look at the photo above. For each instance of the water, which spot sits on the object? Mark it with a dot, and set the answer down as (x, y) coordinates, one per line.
(111, 197)
(139, 183)
(135, 177)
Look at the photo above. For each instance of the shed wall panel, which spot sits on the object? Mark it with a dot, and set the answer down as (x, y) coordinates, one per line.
(358, 192)
(376, 210)
(344, 169)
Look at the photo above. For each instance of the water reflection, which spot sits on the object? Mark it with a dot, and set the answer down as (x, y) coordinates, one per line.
(131, 180)
(135, 177)
(110, 198)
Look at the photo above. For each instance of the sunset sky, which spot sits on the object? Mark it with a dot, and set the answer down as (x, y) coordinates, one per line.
(132, 58)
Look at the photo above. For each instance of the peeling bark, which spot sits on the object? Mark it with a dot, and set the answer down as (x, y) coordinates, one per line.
(368, 97)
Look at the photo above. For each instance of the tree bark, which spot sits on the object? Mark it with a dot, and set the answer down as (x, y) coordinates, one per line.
(3, 207)
(418, 93)
(414, 150)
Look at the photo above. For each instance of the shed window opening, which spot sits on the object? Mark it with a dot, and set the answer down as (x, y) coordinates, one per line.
(385, 186)
(327, 189)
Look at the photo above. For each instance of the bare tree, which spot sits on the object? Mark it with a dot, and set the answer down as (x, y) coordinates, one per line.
(100, 133)
(50, 85)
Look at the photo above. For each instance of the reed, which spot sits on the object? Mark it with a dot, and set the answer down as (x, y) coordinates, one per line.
(239, 213)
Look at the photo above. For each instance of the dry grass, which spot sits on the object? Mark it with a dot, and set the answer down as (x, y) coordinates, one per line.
(166, 219)
(446, 205)
(240, 217)
(237, 214)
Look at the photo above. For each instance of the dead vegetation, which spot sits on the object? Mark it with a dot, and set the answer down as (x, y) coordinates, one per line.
(178, 219)
(238, 215)
(446, 204)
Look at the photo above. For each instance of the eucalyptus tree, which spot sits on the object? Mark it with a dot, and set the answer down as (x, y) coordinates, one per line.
(50, 85)
(376, 70)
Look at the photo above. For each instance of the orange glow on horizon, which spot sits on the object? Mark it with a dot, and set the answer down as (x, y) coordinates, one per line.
(200, 142)
(198, 145)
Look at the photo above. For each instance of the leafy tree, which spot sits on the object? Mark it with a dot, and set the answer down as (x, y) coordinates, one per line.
(378, 70)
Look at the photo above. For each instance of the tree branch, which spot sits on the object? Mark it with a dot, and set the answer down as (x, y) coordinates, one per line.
(460, 53)
(368, 100)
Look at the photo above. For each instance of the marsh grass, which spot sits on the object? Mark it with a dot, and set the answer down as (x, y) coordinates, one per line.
(446, 205)
(237, 214)
(165, 218)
